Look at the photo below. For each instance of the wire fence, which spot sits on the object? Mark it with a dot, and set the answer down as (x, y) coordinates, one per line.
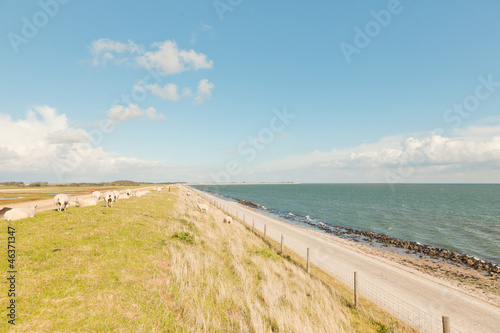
(422, 321)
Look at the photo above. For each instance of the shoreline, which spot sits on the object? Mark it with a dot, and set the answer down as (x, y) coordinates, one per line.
(387, 243)
(428, 291)
(457, 273)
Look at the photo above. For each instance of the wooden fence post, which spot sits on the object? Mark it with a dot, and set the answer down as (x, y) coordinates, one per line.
(308, 265)
(446, 325)
(281, 244)
(253, 226)
(265, 227)
(355, 289)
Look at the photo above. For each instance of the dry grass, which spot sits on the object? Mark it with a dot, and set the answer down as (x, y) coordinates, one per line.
(156, 264)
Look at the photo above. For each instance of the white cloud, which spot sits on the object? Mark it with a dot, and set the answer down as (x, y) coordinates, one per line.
(204, 91)
(43, 146)
(170, 91)
(120, 113)
(105, 49)
(165, 56)
(423, 156)
(170, 60)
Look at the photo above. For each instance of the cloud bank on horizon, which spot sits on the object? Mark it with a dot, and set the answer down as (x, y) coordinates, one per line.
(44, 143)
(189, 93)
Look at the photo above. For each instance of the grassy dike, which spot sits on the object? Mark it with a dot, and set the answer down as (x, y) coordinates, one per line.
(156, 264)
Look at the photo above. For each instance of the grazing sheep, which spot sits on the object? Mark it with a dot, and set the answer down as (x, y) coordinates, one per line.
(228, 219)
(4, 210)
(96, 194)
(128, 192)
(108, 197)
(116, 194)
(123, 196)
(188, 193)
(61, 201)
(20, 213)
(202, 207)
(158, 190)
(86, 202)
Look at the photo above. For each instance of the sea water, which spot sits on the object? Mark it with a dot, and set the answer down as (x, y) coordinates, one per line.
(459, 217)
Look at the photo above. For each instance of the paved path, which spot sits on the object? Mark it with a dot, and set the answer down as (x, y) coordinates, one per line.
(415, 298)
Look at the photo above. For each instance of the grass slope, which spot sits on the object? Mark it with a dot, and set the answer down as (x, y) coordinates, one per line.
(156, 264)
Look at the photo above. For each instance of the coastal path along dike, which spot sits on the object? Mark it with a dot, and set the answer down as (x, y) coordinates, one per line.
(417, 299)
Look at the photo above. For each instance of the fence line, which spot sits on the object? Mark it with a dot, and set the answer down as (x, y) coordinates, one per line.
(412, 316)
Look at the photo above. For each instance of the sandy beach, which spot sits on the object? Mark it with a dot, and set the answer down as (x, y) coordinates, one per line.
(416, 290)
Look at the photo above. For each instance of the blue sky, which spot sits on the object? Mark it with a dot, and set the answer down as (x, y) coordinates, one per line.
(237, 90)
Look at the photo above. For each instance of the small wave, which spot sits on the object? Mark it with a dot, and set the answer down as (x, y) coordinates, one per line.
(308, 218)
(291, 214)
(321, 223)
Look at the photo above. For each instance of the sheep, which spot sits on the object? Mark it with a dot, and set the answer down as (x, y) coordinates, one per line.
(86, 202)
(128, 192)
(116, 194)
(228, 219)
(20, 213)
(108, 197)
(4, 210)
(158, 190)
(96, 194)
(188, 193)
(123, 196)
(202, 207)
(61, 201)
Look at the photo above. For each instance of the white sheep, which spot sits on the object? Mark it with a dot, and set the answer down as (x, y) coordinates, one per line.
(61, 201)
(108, 197)
(86, 202)
(139, 194)
(202, 207)
(97, 195)
(116, 194)
(228, 219)
(20, 213)
(128, 192)
(188, 193)
(158, 190)
(123, 196)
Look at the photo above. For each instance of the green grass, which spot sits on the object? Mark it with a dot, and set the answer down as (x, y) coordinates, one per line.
(156, 264)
